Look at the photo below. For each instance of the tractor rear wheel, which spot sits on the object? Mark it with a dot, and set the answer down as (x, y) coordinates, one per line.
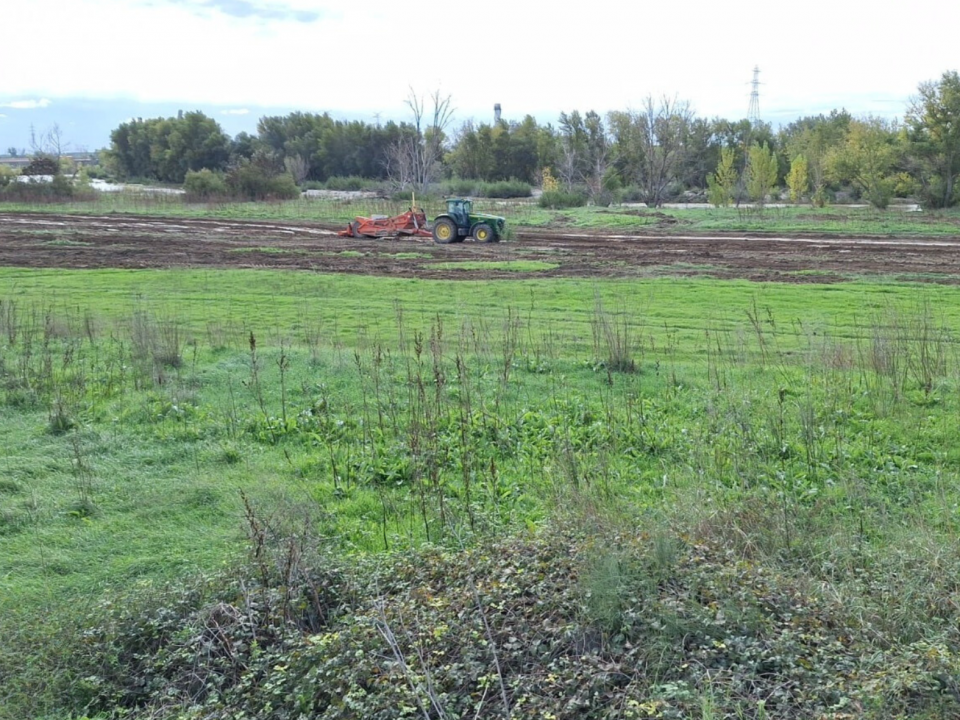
(444, 231)
(484, 233)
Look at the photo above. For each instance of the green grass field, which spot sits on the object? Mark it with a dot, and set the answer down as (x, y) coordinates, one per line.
(136, 412)
(149, 417)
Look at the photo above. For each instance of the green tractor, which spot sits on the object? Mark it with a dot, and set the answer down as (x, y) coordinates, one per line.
(460, 221)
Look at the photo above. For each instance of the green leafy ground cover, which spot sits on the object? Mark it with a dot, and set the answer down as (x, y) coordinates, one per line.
(756, 485)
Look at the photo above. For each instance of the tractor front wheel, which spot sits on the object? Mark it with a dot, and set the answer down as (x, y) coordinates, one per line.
(484, 233)
(444, 231)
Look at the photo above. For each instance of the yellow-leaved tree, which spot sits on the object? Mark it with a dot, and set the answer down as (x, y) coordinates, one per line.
(798, 179)
(722, 183)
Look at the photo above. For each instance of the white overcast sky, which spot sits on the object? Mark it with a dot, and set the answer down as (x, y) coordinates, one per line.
(361, 57)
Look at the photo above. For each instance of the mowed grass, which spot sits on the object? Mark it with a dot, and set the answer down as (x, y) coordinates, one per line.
(144, 412)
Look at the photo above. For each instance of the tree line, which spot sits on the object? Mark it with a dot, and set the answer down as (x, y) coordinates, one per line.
(660, 152)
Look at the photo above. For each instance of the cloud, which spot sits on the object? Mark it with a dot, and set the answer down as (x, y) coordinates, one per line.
(248, 10)
(238, 111)
(26, 104)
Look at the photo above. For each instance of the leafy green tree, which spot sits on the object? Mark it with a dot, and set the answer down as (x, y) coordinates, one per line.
(798, 179)
(167, 148)
(244, 145)
(816, 138)
(524, 158)
(867, 159)
(501, 151)
(761, 173)
(933, 125)
(194, 142)
(472, 153)
(722, 184)
(704, 154)
(548, 148)
(129, 154)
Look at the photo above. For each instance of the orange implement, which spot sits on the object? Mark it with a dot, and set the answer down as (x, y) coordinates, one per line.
(412, 222)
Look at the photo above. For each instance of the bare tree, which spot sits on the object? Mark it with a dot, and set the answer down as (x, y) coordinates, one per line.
(54, 141)
(297, 166)
(653, 145)
(573, 163)
(51, 142)
(401, 160)
(598, 151)
(568, 165)
(415, 158)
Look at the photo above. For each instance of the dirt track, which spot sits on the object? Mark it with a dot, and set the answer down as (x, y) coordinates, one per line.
(75, 241)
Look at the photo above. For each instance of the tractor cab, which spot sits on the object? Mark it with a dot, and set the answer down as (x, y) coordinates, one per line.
(460, 222)
(459, 209)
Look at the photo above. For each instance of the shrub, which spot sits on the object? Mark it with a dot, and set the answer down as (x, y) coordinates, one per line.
(559, 199)
(505, 189)
(59, 188)
(204, 184)
(7, 175)
(255, 181)
(477, 188)
(461, 187)
(42, 165)
(347, 184)
(98, 172)
(932, 193)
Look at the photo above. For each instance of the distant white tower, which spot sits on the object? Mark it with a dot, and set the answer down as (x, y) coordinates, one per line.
(753, 112)
(496, 113)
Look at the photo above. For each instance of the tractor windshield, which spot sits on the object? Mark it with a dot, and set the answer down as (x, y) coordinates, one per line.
(459, 205)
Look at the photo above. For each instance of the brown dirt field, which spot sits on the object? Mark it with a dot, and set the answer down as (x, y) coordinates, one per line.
(118, 241)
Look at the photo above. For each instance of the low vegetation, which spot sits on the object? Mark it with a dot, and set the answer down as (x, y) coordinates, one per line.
(898, 220)
(254, 493)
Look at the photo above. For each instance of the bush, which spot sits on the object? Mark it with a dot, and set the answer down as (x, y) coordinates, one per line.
(42, 165)
(460, 187)
(558, 199)
(204, 184)
(505, 189)
(346, 184)
(98, 172)
(932, 193)
(7, 175)
(254, 181)
(59, 188)
(477, 188)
